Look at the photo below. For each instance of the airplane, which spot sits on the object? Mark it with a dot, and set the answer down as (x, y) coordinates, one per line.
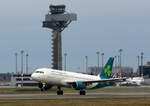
(135, 81)
(77, 81)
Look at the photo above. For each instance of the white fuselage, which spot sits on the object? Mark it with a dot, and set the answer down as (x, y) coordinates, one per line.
(60, 78)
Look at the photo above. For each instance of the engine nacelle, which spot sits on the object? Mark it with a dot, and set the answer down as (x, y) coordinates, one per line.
(79, 86)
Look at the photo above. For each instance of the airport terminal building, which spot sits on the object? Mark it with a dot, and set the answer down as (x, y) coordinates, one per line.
(22, 80)
(146, 70)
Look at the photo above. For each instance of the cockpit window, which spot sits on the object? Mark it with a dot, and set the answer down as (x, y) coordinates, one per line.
(39, 72)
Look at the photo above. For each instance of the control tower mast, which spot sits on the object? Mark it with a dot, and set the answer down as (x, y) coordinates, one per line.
(57, 20)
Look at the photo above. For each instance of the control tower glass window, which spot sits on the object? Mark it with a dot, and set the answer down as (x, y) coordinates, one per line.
(57, 9)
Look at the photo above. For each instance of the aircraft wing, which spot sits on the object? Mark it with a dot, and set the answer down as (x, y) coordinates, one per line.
(102, 80)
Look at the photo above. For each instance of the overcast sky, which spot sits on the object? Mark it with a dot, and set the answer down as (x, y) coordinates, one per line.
(102, 25)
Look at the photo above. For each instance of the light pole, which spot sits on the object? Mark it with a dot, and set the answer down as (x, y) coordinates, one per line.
(98, 59)
(65, 67)
(115, 61)
(27, 55)
(86, 57)
(102, 60)
(120, 51)
(138, 71)
(118, 67)
(118, 61)
(142, 64)
(22, 52)
(16, 57)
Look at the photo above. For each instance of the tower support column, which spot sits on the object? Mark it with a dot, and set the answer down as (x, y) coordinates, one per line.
(56, 50)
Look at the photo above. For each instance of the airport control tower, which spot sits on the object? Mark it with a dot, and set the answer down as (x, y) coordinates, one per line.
(57, 19)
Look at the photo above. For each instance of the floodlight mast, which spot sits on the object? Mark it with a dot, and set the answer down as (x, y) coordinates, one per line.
(57, 20)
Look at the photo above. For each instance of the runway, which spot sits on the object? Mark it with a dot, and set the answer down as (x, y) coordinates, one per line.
(72, 96)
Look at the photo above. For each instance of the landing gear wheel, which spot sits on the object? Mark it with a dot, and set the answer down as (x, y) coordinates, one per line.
(42, 89)
(60, 92)
(82, 92)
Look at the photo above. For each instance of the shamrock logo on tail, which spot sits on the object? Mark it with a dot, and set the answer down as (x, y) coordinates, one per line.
(107, 71)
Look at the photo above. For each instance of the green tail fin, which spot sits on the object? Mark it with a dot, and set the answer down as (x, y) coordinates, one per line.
(107, 70)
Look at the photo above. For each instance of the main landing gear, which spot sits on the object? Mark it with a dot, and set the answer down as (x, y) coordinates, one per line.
(60, 92)
(82, 92)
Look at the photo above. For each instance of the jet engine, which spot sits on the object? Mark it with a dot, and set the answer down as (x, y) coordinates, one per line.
(79, 86)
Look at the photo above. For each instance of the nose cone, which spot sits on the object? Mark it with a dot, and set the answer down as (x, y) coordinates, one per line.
(33, 76)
